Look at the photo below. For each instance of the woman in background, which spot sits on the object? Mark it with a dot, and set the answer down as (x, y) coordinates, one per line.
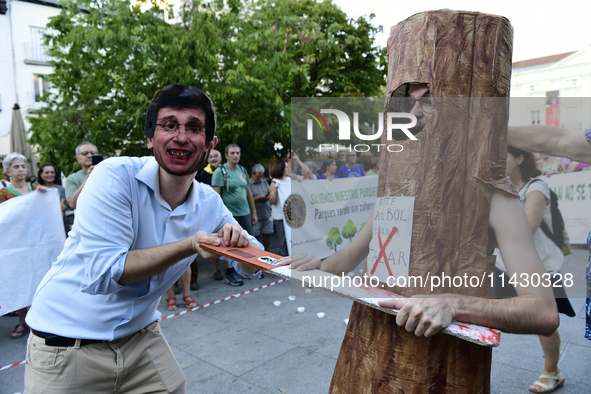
(15, 166)
(279, 191)
(535, 197)
(46, 176)
(328, 170)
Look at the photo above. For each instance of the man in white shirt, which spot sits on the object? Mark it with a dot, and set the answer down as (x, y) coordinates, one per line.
(94, 317)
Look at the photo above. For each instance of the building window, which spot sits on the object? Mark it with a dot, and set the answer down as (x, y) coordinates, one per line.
(34, 50)
(40, 86)
(535, 117)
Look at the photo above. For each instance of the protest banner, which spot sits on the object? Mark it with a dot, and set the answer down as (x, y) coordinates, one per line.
(32, 238)
(330, 213)
(573, 191)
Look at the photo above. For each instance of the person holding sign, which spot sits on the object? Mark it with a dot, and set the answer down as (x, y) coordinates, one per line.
(15, 166)
(328, 170)
(533, 311)
(450, 69)
(425, 315)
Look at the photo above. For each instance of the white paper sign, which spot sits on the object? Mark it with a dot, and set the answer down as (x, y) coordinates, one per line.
(389, 249)
(33, 236)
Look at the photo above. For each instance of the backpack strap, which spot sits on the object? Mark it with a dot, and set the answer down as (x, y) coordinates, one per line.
(530, 182)
(225, 174)
(526, 186)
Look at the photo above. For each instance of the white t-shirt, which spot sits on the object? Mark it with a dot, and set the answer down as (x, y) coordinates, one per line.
(550, 254)
(283, 192)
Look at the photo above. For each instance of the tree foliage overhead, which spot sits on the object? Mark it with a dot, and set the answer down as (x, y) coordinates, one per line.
(251, 57)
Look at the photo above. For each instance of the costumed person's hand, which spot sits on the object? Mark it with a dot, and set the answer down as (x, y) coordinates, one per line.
(424, 315)
(301, 262)
(233, 235)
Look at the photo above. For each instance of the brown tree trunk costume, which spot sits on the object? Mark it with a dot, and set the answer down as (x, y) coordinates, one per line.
(450, 170)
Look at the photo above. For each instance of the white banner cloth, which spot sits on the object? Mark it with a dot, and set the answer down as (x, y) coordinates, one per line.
(32, 237)
(335, 212)
(574, 201)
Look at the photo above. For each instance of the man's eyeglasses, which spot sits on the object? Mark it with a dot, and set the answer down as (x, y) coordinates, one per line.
(406, 104)
(191, 127)
(88, 153)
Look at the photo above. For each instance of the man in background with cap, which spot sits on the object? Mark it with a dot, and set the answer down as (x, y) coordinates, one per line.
(93, 318)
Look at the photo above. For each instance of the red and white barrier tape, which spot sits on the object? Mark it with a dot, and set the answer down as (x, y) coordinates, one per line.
(186, 311)
(222, 300)
(12, 365)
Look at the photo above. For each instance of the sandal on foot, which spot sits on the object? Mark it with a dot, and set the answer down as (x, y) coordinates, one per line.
(189, 301)
(16, 333)
(171, 304)
(559, 378)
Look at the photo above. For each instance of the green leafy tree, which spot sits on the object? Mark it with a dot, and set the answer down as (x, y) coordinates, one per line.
(349, 230)
(109, 62)
(334, 239)
(251, 57)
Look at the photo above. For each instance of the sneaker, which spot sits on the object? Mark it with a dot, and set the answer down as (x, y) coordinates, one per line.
(217, 275)
(232, 277)
(248, 277)
(195, 285)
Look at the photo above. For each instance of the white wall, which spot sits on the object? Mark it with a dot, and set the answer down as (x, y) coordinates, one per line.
(571, 77)
(22, 16)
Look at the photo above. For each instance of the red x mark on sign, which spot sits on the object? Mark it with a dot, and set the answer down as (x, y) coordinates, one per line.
(383, 250)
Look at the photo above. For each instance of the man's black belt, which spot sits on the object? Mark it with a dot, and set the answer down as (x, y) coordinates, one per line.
(56, 340)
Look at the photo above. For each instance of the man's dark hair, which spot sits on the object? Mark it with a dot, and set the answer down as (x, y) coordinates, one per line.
(527, 168)
(180, 97)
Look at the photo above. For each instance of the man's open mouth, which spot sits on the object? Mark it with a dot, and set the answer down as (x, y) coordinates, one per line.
(179, 154)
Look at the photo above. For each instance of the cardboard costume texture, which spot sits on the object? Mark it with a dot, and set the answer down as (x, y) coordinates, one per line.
(465, 58)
